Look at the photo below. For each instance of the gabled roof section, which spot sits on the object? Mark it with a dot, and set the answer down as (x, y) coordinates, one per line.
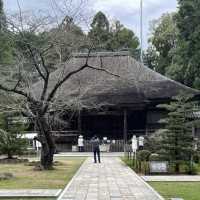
(136, 83)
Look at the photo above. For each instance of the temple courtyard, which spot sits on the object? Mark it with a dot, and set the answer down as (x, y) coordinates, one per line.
(77, 177)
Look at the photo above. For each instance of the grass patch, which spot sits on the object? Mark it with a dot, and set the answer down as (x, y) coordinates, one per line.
(185, 190)
(26, 178)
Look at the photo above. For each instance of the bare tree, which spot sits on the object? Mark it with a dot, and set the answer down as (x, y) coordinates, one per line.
(40, 46)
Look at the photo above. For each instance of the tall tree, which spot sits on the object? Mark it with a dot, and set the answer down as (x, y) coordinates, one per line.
(151, 58)
(39, 107)
(123, 38)
(2, 17)
(5, 43)
(188, 50)
(162, 43)
(100, 31)
(113, 37)
(177, 140)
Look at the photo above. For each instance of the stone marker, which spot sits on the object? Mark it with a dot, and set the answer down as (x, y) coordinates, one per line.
(158, 167)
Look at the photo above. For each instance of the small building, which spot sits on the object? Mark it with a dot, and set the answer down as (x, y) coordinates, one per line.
(116, 102)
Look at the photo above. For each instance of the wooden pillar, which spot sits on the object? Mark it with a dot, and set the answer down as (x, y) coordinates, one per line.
(125, 130)
(79, 122)
(193, 131)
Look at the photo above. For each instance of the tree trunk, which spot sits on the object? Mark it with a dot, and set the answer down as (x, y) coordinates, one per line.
(47, 154)
(177, 168)
(47, 141)
(9, 155)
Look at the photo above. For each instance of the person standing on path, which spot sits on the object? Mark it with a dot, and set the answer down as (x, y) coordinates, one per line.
(95, 145)
(80, 143)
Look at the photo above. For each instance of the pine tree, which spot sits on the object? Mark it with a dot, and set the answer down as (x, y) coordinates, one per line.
(113, 37)
(5, 42)
(188, 47)
(162, 43)
(11, 141)
(177, 141)
(100, 31)
(123, 38)
(2, 17)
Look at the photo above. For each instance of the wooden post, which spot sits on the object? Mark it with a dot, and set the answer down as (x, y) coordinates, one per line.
(79, 122)
(193, 131)
(125, 131)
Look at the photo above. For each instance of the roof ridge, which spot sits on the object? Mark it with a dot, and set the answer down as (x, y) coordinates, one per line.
(102, 54)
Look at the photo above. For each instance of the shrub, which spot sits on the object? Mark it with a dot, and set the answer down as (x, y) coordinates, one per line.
(155, 157)
(143, 155)
(6, 176)
(11, 140)
(11, 144)
(196, 157)
(191, 168)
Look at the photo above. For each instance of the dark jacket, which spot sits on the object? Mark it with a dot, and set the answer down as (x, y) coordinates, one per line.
(95, 143)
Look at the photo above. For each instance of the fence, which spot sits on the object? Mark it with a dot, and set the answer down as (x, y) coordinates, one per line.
(114, 146)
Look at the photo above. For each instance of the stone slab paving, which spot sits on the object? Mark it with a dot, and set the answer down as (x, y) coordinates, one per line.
(179, 178)
(29, 193)
(109, 180)
(88, 154)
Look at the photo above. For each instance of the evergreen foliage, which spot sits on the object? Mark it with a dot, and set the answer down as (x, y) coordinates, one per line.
(113, 37)
(175, 45)
(159, 54)
(5, 41)
(177, 141)
(11, 141)
(123, 38)
(2, 17)
(100, 31)
(188, 49)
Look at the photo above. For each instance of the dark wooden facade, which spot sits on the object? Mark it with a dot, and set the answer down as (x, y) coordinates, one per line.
(119, 123)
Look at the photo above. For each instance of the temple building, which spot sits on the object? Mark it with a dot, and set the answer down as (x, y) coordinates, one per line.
(115, 102)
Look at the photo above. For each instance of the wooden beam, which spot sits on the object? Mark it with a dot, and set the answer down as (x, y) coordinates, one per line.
(125, 129)
(79, 122)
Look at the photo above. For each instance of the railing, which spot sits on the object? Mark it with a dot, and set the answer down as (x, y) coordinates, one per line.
(114, 146)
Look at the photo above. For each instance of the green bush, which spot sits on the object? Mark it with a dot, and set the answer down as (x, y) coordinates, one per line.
(155, 157)
(11, 140)
(191, 168)
(196, 157)
(143, 155)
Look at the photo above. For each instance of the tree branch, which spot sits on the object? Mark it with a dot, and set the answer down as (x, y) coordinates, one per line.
(35, 63)
(104, 70)
(51, 95)
(14, 90)
(44, 65)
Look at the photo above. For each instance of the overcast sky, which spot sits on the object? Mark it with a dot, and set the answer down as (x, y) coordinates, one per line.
(127, 11)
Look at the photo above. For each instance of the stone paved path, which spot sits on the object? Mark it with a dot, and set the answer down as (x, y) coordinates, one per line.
(110, 180)
(89, 154)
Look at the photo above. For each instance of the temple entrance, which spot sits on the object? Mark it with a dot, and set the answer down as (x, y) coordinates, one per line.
(112, 125)
(136, 123)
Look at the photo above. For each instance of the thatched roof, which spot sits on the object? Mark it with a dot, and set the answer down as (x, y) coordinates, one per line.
(137, 83)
